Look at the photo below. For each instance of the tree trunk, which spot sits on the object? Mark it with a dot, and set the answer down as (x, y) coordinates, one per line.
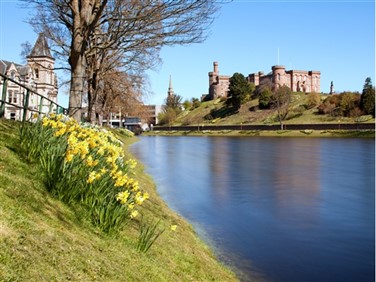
(76, 89)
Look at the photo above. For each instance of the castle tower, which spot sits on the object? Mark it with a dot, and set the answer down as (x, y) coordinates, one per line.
(218, 84)
(213, 81)
(170, 91)
(279, 73)
(42, 64)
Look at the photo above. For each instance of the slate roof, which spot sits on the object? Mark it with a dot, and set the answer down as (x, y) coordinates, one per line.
(41, 48)
(5, 65)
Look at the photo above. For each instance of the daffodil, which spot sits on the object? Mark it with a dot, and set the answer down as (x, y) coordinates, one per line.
(134, 214)
(123, 197)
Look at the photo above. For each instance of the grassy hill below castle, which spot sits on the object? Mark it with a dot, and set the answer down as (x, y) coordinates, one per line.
(301, 111)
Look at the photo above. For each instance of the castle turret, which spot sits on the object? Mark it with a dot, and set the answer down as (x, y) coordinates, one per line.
(279, 75)
(215, 65)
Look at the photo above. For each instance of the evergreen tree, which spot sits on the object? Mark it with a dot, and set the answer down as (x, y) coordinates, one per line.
(240, 90)
(367, 100)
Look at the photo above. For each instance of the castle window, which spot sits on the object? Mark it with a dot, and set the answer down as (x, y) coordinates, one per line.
(36, 72)
(279, 77)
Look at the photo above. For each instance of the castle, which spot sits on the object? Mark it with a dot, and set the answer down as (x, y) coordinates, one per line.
(38, 74)
(296, 80)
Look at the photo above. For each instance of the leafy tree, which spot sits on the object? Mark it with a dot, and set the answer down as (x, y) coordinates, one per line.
(367, 100)
(265, 98)
(240, 90)
(348, 102)
(171, 109)
(281, 101)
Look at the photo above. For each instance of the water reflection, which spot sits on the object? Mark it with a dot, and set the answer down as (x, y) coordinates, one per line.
(293, 209)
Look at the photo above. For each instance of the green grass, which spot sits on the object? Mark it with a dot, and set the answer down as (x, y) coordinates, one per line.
(42, 239)
(247, 114)
(267, 133)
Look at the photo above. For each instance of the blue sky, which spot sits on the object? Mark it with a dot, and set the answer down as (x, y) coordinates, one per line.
(334, 37)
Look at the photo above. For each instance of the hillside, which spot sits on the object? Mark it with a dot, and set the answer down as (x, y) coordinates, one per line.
(43, 239)
(215, 112)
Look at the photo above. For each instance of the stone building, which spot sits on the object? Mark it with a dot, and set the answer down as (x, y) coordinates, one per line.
(296, 80)
(38, 74)
(218, 84)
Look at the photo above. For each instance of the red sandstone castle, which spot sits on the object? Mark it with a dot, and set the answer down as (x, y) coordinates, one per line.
(297, 80)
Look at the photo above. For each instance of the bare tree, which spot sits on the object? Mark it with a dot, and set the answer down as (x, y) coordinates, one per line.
(118, 92)
(281, 101)
(136, 29)
(26, 48)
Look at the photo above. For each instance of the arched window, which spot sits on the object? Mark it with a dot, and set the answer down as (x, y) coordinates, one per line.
(278, 76)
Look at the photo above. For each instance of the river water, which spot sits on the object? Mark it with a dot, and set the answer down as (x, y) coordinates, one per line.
(280, 209)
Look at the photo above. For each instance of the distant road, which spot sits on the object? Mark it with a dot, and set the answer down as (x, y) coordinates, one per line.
(326, 126)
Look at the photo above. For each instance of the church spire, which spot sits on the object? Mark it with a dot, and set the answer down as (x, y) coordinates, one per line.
(170, 89)
(41, 48)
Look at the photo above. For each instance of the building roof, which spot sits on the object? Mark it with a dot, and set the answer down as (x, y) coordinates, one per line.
(5, 65)
(41, 48)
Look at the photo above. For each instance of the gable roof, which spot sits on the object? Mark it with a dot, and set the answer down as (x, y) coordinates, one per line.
(5, 65)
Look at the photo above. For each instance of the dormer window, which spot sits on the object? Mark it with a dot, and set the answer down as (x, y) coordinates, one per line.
(13, 75)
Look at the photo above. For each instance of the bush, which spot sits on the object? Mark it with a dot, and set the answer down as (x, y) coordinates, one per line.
(343, 104)
(313, 100)
(195, 103)
(265, 98)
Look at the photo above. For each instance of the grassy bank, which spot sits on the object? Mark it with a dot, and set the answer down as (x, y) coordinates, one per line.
(42, 239)
(277, 133)
(217, 113)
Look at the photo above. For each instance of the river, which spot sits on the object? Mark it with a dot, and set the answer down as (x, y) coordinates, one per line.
(280, 209)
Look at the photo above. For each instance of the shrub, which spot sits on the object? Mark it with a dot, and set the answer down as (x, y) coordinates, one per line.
(265, 98)
(313, 100)
(195, 103)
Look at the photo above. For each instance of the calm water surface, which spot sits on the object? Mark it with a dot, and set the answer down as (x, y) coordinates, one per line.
(289, 209)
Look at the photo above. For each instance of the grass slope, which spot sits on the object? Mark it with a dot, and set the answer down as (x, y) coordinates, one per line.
(42, 239)
(216, 112)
